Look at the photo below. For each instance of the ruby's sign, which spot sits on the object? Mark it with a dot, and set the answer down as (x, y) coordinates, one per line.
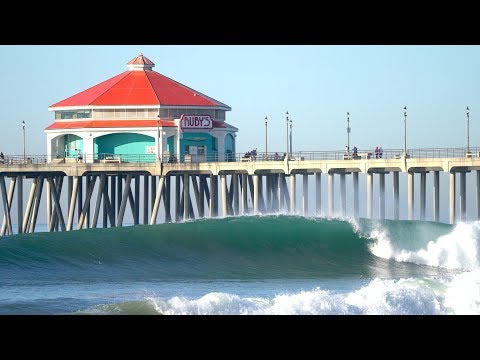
(196, 122)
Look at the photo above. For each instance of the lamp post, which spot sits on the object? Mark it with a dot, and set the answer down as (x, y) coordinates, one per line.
(405, 132)
(348, 133)
(468, 130)
(291, 142)
(286, 117)
(23, 126)
(158, 136)
(266, 138)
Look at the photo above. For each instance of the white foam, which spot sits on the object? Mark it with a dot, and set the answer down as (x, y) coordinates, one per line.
(460, 295)
(459, 249)
(463, 293)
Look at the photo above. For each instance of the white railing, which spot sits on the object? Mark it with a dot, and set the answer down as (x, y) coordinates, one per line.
(427, 153)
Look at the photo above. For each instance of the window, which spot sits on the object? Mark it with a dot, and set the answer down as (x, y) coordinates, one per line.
(73, 114)
(220, 114)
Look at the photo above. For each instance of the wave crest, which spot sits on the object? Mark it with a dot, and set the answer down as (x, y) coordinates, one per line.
(458, 250)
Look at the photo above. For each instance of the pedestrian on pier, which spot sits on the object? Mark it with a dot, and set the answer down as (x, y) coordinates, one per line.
(254, 154)
(376, 152)
(380, 152)
(79, 156)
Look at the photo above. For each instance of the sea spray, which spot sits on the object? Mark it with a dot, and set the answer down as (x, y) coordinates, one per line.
(458, 249)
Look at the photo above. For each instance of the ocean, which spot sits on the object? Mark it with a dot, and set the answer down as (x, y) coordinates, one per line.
(246, 265)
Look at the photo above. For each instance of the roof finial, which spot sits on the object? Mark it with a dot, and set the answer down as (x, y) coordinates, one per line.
(139, 63)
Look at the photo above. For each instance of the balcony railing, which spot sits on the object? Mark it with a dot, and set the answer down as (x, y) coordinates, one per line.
(427, 153)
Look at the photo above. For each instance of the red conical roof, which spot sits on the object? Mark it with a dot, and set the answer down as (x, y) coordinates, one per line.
(139, 86)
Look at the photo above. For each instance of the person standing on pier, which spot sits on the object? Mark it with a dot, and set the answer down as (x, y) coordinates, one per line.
(79, 156)
(376, 152)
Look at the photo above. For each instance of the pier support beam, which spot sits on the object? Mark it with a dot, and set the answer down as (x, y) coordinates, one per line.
(463, 195)
(201, 196)
(355, 195)
(331, 206)
(423, 192)
(69, 192)
(256, 191)
(318, 193)
(452, 198)
(119, 192)
(49, 204)
(396, 195)
(19, 203)
(382, 196)
(223, 180)
(153, 192)
(369, 195)
(343, 194)
(293, 195)
(123, 201)
(274, 192)
(305, 195)
(36, 204)
(281, 179)
(213, 195)
(28, 209)
(145, 198)
(478, 194)
(56, 201)
(73, 199)
(436, 195)
(236, 203)
(136, 207)
(167, 189)
(96, 212)
(411, 194)
(113, 192)
(244, 194)
(88, 180)
(186, 196)
(178, 210)
(7, 203)
(156, 204)
(268, 192)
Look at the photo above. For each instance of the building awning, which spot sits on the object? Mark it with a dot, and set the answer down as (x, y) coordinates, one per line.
(98, 124)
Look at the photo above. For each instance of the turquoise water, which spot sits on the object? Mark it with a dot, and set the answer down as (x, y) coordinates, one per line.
(275, 264)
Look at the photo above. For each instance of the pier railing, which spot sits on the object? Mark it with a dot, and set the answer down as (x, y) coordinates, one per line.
(426, 153)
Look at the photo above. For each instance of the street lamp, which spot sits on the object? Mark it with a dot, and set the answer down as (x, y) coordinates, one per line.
(266, 138)
(23, 126)
(405, 132)
(158, 135)
(468, 131)
(286, 117)
(348, 133)
(291, 142)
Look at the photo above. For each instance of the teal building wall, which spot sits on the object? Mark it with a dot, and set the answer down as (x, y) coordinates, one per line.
(73, 143)
(130, 146)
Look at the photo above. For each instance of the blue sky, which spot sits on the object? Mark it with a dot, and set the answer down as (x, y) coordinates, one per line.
(317, 84)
